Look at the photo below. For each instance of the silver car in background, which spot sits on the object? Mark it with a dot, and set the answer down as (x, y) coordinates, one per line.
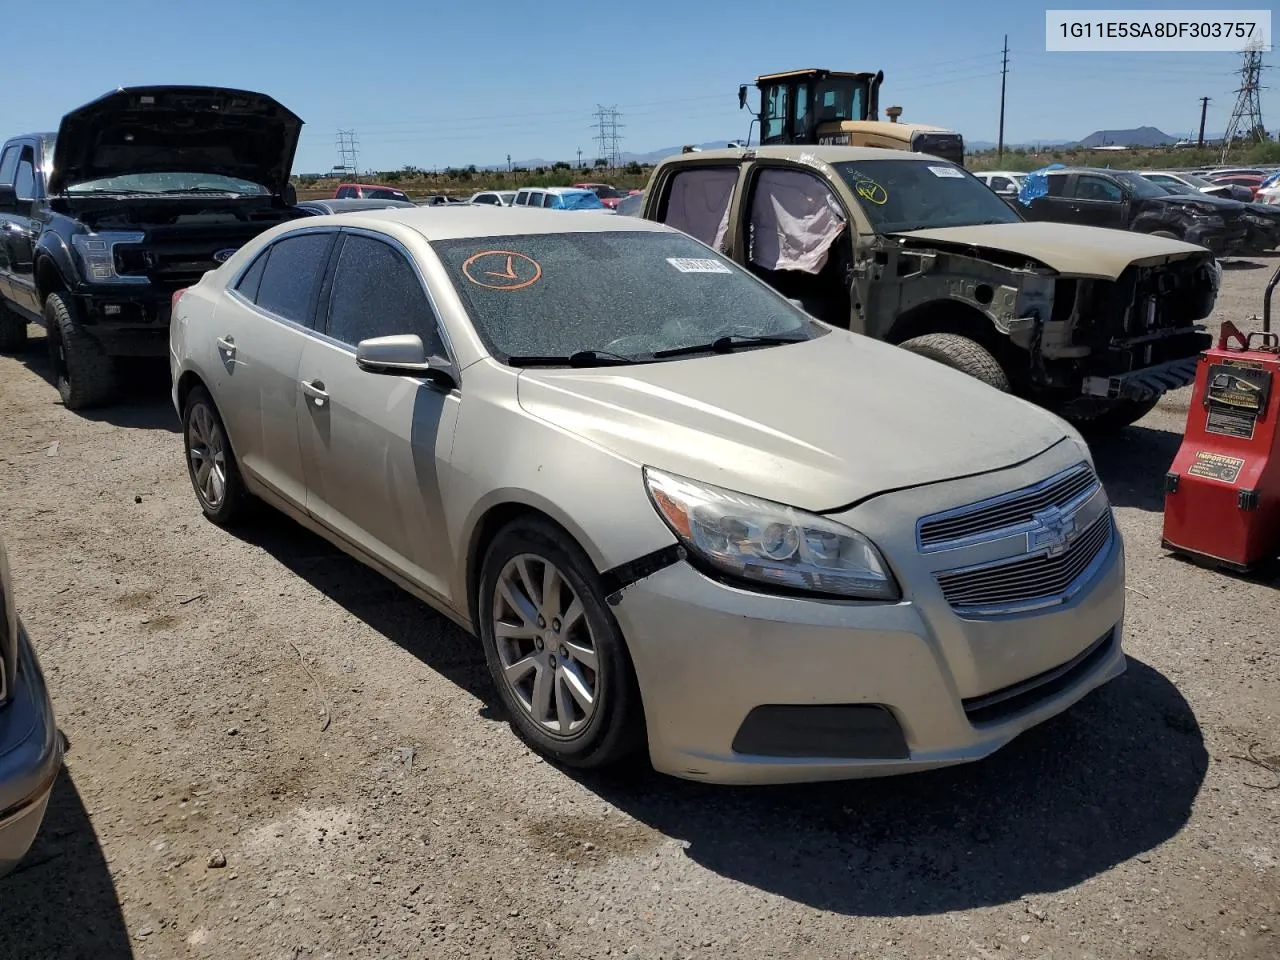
(30, 745)
(680, 514)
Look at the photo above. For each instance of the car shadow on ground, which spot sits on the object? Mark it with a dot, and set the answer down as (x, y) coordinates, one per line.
(143, 402)
(1132, 464)
(60, 901)
(1109, 780)
(371, 597)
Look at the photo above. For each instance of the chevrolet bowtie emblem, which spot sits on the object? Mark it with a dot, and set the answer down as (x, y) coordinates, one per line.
(1054, 531)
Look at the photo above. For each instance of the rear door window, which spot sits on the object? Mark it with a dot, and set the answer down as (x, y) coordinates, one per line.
(291, 276)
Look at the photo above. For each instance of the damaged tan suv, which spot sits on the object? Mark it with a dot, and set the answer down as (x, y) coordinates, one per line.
(1094, 324)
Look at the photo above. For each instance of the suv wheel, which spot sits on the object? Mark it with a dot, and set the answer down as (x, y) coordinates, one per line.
(963, 354)
(13, 331)
(555, 651)
(84, 375)
(211, 463)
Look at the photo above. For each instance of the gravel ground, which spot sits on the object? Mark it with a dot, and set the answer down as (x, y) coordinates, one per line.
(274, 753)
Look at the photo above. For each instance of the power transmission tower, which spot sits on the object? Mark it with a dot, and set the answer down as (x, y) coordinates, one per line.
(1204, 108)
(608, 138)
(1004, 73)
(347, 157)
(1246, 116)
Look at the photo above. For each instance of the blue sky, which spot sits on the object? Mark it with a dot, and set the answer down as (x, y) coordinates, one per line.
(430, 84)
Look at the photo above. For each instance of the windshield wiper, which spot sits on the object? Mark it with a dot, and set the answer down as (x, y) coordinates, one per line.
(728, 344)
(580, 358)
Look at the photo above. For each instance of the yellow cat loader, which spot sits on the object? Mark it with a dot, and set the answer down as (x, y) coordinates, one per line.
(829, 107)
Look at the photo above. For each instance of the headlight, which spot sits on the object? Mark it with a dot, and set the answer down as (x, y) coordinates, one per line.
(97, 253)
(768, 543)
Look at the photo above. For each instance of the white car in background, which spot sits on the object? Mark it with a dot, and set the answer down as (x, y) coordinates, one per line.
(1007, 183)
(493, 198)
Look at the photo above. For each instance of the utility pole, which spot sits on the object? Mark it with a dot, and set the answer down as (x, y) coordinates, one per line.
(347, 157)
(1246, 116)
(579, 158)
(508, 163)
(1004, 73)
(1204, 107)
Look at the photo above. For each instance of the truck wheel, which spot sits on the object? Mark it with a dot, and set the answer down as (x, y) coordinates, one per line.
(13, 331)
(83, 374)
(1116, 416)
(961, 353)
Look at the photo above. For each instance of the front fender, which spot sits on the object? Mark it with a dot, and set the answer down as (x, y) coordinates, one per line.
(53, 252)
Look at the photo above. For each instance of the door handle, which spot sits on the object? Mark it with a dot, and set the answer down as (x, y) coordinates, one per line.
(315, 390)
(227, 345)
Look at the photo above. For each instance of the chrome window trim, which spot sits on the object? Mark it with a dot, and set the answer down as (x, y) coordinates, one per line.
(1011, 530)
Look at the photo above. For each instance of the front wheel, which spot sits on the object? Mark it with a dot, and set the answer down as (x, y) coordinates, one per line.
(211, 463)
(554, 650)
(963, 354)
(83, 373)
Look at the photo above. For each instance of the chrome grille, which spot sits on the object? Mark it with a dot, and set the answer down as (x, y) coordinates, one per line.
(1003, 515)
(1028, 582)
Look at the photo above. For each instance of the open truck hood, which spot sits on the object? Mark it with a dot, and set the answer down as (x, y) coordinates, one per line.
(234, 133)
(1068, 248)
(817, 425)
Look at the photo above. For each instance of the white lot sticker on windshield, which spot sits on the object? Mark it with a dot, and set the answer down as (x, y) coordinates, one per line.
(946, 172)
(694, 265)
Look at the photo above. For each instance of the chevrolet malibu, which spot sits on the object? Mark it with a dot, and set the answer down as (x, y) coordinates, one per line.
(681, 515)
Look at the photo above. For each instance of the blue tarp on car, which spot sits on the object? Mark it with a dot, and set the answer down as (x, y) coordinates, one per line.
(576, 200)
(1036, 184)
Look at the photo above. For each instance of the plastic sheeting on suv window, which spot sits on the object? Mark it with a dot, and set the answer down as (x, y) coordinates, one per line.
(698, 203)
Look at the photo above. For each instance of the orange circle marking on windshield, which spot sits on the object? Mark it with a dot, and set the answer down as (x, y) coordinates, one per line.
(871, 191)
(504, 270)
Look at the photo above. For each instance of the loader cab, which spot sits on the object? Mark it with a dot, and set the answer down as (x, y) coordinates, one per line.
(830, 107)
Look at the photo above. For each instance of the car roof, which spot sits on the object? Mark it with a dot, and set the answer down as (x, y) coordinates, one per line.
(462, 220)
(826, 153)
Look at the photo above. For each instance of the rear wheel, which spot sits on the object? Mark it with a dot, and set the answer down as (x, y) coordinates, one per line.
(963, 354)
(84, 375)
(554, 650)
(13, 331)
(211, 463)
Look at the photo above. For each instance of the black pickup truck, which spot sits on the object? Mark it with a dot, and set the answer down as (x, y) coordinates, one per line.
(138, 194)
(1125, 200)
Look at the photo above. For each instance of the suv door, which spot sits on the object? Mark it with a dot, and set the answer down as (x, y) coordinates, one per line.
(1098, 201)
(261, 326)
(374, 444)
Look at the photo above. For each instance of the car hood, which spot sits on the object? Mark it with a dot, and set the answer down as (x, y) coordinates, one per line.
(234, 133)
(818, 425)
(1068, 248)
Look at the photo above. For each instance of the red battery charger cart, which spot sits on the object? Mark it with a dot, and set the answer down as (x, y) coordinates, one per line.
(1222, 493)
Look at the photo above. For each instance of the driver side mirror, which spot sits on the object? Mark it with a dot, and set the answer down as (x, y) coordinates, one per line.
(742, 96)
(402, 355)
(8, 197)
(291, 195)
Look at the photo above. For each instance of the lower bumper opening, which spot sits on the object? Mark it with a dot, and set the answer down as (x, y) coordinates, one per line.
(854, 731)
(1009, 701)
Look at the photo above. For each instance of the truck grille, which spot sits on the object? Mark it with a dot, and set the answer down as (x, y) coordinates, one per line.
(1004, 514)
(1030, 581)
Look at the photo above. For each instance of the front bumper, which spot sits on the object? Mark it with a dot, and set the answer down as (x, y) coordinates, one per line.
(1223, 241)
(723, 670)
(30, 757)
(127, 322)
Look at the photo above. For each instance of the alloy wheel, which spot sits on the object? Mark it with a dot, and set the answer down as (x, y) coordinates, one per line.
(545, 645)
(207, 450)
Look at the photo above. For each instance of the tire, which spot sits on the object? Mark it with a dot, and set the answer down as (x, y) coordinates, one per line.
(205, 442)
(13, 331)
(84, 375)
(613, 729)
(1118, 415)
(963, 354)
(1168, 235)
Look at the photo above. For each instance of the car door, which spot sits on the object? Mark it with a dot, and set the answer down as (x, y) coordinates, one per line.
(9, 220)
(376, 446)
(261, 326)
(1097, 201)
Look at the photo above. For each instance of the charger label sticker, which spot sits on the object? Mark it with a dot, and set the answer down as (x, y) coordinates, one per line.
(1215, 466)
(695, 265)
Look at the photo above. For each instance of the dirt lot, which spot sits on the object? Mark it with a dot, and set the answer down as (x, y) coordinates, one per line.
(266, 700)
